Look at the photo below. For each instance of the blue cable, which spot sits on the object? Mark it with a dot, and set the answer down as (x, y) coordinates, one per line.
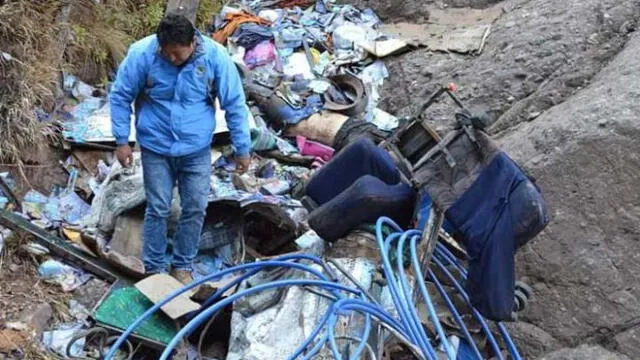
(425, 295)
(406, 293)
(391, 282)
(316, 348)
(213, 298)
(192, 285)
(334, 344)
(476, 314)
(375, 311)
(513, 350)
(408, 328)
(402, 307)
(204, 315)
(455, 313)
(311, 337)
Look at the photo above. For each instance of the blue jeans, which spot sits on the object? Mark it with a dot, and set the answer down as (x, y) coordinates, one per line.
(192, 173)
(356, 187)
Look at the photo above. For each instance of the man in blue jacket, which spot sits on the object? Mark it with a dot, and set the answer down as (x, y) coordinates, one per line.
(174, 77)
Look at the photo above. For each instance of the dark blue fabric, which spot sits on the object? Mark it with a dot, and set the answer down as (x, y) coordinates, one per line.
(293, 116)
(249, 35)
(363, 202)
(498, 214)
(357, 186)
(360, 158)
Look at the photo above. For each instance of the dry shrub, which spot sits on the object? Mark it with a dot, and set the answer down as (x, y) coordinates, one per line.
(27, 76)
(206, 10)
(103, 31)
(100, 33)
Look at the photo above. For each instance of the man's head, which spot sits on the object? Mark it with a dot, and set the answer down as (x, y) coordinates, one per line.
(176, 36)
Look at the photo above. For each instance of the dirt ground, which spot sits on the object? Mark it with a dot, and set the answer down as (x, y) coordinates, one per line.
(23, 290)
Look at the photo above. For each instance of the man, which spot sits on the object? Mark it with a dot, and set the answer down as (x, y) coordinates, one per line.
(174, 77)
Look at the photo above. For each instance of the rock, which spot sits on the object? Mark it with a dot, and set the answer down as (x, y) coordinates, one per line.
(90, 293)
(532, 341)
(628, 342)
(585, 259)
(37, 319)
(533, 115)
(584, 352)
(547, 40)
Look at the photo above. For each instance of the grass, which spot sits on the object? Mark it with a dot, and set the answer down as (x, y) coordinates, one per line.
(100, 34)
(27, 78)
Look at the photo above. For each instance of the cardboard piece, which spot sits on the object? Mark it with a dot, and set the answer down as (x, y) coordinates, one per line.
(456, 30)
(384, 48)
(127, 236)
(159, 286)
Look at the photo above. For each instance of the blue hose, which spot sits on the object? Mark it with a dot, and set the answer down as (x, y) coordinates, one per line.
(451, 259)
(192, 285)
(425, 296)
(391, 281)
(409, 328)
(213, 298)
(351, 305)
(204, 315)
(476, 314)
(311, 337)
(360, 349)
(406, 294)
(456, 314)
(315, 350)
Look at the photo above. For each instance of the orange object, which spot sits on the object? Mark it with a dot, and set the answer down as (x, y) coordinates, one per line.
(235, 20)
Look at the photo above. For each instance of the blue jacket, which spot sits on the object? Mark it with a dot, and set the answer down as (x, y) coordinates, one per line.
(175, 106)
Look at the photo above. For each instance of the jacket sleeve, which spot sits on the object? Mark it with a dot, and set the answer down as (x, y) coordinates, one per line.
(130, 80)
(229, 91)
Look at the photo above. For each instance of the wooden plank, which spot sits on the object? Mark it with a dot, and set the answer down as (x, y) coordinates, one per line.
(158, 287)
(188, 8)
(62, 40)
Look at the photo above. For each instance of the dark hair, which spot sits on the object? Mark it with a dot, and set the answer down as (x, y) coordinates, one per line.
(175, 29)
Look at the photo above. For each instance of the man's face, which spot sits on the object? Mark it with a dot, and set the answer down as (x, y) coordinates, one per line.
(178, 54)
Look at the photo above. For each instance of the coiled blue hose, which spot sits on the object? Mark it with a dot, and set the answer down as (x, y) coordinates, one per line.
(409, 327)
(153, 309)
(339, 307)
(451, 259)
(427, 300)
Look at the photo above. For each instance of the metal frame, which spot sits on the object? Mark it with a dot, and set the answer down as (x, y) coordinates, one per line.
(395, 145)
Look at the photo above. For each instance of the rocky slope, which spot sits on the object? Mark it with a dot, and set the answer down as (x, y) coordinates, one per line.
(562, 81)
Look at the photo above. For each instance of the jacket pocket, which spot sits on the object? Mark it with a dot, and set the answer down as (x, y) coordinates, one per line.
(196, 83)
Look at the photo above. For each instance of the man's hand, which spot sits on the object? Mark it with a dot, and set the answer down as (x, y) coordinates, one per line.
(242, 164)
(125, 155)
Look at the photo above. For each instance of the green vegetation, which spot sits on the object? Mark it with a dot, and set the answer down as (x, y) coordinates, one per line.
(31, 33)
